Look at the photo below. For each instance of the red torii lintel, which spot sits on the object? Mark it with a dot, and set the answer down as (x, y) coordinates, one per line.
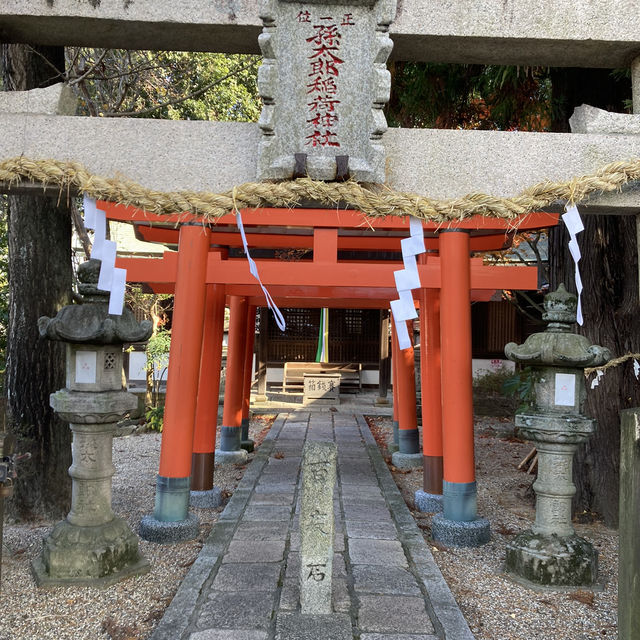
(341, 278)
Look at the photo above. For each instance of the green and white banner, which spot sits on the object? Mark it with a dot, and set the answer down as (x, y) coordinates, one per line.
(322, 354)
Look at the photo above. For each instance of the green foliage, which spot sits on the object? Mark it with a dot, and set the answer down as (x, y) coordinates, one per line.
(522, 387)
(492, 381)
(158, 348)
(165, 84)
(450, 96)
(154, 417)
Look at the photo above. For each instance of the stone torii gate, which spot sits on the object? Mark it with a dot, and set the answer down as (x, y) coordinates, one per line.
(440, 163)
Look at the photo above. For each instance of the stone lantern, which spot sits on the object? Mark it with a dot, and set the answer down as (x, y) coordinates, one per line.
(92, 545)
(550, 553)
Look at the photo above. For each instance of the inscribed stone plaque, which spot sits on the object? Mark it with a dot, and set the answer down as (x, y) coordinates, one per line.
(324, 83)
(321, 387)
(317, 526)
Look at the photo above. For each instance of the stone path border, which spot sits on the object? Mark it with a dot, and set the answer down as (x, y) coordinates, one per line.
(353, 604)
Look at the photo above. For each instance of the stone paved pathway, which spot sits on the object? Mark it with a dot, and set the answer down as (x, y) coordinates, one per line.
(244, 583)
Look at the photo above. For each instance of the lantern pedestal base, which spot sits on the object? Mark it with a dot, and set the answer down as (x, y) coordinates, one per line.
(97, 555)
(552, 561)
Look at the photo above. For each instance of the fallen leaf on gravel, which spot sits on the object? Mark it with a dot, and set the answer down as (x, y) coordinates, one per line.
(514, 439)
(586, 597)
(278, 455)
(503, 530)
(154, 616)
(118, 632)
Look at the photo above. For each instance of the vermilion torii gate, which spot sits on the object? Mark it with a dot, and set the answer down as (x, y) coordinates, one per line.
(203, 277)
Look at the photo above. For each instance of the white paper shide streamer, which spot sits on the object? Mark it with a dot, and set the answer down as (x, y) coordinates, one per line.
(407, 279)
(111, 279)
(574, 225)
(254, 272)
(596, 381)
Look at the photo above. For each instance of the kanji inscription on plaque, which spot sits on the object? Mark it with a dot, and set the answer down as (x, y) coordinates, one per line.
(324, 83)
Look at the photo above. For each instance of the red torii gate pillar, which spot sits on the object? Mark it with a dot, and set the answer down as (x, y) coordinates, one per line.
(203, 492)
(430, 498)
(171, 520)
(245, 441)
(408, 453)
(230, 450)
(459, 523)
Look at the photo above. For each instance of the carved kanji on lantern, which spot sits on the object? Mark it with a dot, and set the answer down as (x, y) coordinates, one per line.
(324, 83)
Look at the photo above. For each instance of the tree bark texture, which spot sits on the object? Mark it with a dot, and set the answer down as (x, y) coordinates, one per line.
(40, 276)
(609, 270)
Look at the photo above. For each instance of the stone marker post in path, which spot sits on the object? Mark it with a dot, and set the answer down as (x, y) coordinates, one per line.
(550, 553)
(92, 546)
(317, 526)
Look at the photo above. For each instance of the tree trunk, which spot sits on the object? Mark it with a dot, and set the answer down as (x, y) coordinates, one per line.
(40, 275)
(609, 270)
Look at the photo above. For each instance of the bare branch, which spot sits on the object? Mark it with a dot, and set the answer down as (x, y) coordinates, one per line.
(90, 69)
(194, 94)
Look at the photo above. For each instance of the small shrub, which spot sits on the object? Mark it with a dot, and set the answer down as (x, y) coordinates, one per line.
(492, 381)
(522, 387)
(154, 417)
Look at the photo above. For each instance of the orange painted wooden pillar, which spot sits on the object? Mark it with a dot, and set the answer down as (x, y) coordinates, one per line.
(408, 441)
(204, 437)
(246, 443)
(431, 390)
(173, 484)
(459, 486)
(231, 430)
(394, 382)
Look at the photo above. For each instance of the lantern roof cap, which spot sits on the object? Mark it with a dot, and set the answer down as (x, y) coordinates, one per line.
(90, 322)
(558, 345)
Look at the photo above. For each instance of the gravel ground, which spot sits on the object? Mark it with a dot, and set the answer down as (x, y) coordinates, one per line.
(130, 609)
(495, 607)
